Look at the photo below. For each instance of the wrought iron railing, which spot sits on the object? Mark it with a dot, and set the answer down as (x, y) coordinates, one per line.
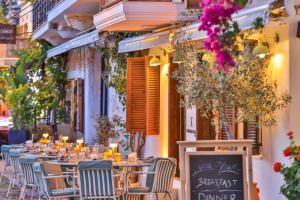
(40, 11)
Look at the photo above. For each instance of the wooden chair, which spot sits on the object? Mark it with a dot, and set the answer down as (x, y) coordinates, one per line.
(5, 156)
(159, 179)
(54, 185)
(97, 180)
(29, 179)
(14, 156)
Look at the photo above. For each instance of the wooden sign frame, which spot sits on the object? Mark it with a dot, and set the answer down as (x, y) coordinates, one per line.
(187, 159)
(239, 145)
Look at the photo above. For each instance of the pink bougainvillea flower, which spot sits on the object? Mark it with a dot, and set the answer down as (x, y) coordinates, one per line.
(215, 21)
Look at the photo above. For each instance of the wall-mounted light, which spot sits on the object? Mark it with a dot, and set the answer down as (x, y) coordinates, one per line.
(154, 62)
(261, 50)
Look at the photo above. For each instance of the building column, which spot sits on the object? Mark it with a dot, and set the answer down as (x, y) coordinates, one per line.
(92, 95)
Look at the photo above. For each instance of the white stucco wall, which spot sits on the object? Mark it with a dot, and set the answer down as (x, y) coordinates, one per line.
(92, 81)
(275, 139)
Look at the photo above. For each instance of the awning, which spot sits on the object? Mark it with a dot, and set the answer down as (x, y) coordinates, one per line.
(244, 18)
(83, 40)
(6, 62)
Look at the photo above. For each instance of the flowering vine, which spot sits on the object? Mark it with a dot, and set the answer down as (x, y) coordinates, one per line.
(291, 187)
(216, 21)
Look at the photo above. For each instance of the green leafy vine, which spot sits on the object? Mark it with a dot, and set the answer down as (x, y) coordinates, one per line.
(116, 63)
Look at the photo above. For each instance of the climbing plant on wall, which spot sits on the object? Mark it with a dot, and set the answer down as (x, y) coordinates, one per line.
(116, 62)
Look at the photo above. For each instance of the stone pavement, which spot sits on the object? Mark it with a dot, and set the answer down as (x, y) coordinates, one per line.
(15, 193)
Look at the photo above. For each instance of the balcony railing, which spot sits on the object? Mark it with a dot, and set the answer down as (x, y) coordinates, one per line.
(108, 3)
(40, 11)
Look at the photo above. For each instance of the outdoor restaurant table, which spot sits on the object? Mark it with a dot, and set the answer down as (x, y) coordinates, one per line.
(123, 164)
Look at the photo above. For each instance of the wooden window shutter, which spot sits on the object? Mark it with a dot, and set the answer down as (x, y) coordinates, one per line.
(152, 98)
(136, 95)
(252, 131)
(231, 117)
(191, 4)
(204, 127)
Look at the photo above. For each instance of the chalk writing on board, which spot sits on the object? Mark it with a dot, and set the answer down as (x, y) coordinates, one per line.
(216, 177)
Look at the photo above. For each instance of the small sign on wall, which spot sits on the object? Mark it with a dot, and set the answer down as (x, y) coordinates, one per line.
(216, 175)
(7, 34)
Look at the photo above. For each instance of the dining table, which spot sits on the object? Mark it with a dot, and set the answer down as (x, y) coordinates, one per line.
(122, 164)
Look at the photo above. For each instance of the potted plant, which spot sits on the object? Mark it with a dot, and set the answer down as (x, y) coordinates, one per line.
(290, 189)
(226, 74)
(107, 128)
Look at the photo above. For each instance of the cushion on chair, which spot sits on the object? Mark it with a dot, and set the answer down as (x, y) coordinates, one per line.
(65, 192)
(53, 169)
(95, 164)
(28, 159)
(15, 152)
(5, 148)
(139, 190)
(37, 169)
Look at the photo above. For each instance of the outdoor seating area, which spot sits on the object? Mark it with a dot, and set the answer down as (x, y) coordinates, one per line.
(54, 170)
(149, 99)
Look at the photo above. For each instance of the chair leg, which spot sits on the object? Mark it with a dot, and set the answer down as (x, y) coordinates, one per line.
(22, 193)
(156, 195)
(170, 195)
(32, 192)
(10, 185)
(2, 171)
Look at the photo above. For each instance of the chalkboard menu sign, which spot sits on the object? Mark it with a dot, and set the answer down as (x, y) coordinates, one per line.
(215, 176)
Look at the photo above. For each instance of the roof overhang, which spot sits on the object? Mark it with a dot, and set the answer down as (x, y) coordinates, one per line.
(83, 40)
(244, 18)
(6, 62)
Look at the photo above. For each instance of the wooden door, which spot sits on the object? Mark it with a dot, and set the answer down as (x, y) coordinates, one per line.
(176, 118)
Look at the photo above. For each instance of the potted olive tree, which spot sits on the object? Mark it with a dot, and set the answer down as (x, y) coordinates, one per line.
(226, 73)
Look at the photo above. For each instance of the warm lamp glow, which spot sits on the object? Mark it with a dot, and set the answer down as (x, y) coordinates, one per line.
(277, 59)
(113, 145)
(65, 138)
(45, 135)
(79, 141)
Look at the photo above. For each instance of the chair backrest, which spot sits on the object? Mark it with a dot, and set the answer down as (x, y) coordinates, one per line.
(164, 171)
(37, 169)
(26, 163)
(51, 185)
(96, 179)
(15, 155)
(5, 153)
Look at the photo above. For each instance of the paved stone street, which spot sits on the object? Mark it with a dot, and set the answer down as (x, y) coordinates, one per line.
(14, 195)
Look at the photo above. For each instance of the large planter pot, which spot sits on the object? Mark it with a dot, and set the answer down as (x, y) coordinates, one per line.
(18, 136)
